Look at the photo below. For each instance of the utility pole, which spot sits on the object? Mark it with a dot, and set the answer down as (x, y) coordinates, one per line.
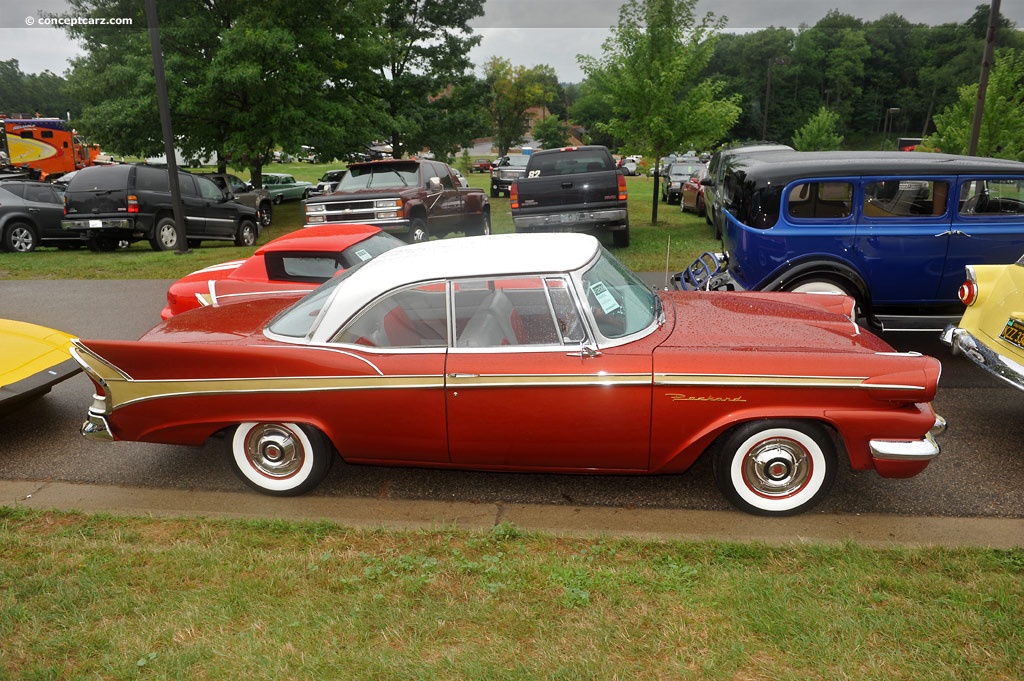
(986, 66)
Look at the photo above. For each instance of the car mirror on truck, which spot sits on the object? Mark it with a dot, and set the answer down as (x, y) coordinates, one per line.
(434, 184)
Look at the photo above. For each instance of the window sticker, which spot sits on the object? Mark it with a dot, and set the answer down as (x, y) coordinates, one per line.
(363, 255)
(604, 298)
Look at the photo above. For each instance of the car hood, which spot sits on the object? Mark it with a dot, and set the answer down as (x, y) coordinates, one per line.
(781, 322)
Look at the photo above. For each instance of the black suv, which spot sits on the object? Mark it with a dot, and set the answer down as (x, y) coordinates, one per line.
(106, 205)
(30, 215)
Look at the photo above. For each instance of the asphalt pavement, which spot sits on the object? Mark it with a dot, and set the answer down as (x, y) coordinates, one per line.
(973, 494)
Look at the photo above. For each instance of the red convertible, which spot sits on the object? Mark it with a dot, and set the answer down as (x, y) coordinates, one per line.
(525, 352)
(297, 262)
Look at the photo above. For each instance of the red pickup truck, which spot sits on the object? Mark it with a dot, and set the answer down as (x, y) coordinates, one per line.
(413, 199)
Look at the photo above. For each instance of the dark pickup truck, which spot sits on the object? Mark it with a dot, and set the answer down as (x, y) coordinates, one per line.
(574, 189)
(411, 198)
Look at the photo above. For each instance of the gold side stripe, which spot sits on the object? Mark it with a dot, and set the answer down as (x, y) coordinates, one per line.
(771, 381)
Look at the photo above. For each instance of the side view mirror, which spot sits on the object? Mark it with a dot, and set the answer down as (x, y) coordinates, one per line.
(249, 187)
(228, 196)
(434, 184)
(707, 182)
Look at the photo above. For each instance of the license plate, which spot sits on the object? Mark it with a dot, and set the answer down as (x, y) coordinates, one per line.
(1013, 333)
(96, 223)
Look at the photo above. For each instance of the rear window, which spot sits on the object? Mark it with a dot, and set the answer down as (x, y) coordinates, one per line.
(100, 178)
(570, 163)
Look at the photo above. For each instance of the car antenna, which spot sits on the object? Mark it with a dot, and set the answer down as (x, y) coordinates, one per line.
(668, 250)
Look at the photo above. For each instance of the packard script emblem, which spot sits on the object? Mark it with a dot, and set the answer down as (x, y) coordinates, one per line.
(682, 397)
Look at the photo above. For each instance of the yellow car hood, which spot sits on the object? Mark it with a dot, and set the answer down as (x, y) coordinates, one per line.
(32, 359)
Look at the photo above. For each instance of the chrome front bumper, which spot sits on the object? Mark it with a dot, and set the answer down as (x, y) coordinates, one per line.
(1002, 367)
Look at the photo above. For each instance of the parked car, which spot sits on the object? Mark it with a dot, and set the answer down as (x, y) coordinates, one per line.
(505, 171)
(463, 182)
(284, 187)
(295, 263)
(328, 182)
(246, 194)
(692, 196)
(412, 198)
(488, 347)
(894, 230)
(110, 205)
(991, 331)
(34, 360)
(30, 215)
(481, 165)
(674, 176)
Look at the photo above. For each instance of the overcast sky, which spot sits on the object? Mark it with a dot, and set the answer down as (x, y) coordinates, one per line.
(530, 32)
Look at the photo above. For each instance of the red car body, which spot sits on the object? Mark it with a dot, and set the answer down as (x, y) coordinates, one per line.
(564, 362)
(692, 195)
(295, 263)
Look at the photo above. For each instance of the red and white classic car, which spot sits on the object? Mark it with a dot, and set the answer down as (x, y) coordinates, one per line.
(532, 352)
(295, 263)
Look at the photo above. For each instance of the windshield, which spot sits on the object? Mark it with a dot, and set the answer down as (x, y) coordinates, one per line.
(381, 176)
(299, 320)
(621, 303)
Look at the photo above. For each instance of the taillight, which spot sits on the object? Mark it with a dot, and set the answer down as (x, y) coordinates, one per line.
(622, 187)
(133, 203)
(969, 289)
(513, 195)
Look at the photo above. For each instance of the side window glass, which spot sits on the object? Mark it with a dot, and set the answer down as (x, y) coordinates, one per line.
(209, 190)
(905, 198)
(992, 197)
(41, 194)
(412, 317)
(518, 311)
(187, 185)
(151, 179)
(821, 200)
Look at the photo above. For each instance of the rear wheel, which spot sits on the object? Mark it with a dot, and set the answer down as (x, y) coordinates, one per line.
(620, 238)
(281, 459)
(826, 284)
(165, 235)
(776, 468)
(482, 227)
(20, 237)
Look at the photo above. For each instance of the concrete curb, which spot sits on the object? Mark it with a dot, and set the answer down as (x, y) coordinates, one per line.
(867, 529)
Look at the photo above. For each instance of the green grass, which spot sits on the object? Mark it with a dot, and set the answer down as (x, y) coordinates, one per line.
(682, 236)
(124, 598)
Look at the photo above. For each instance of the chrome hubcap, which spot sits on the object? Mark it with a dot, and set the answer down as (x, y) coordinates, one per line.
(777, 467)
(273, 450)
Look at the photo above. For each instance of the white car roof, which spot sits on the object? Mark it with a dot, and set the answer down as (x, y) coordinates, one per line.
(457, 258)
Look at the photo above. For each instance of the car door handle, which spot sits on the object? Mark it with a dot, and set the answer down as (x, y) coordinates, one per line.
(567, 185)
(463, 375)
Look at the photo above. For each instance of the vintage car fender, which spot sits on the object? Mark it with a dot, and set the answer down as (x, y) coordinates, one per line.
(795, 270)
(35, 358)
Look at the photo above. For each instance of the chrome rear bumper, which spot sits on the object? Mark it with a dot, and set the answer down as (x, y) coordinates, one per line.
(1002, 367)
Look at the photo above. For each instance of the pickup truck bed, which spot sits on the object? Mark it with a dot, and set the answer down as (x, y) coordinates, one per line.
(572, 189)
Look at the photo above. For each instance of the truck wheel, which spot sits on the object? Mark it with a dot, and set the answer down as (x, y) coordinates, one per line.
(266, 212)
(246, 235)
(103, 244)
(482, 227)
(494, 193)
(620, 239)
(418, 231)
(165, 235)
(20, 237)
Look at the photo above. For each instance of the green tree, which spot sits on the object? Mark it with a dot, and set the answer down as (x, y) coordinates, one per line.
(242, 78)
(513, 90)
(649, 73)
(1002, 127)
(819, 133)
(551, 133)
(419, 50)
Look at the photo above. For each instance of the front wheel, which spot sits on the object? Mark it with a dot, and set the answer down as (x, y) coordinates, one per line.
(280, 459)
(246, 234)
(266, 213)
(776, 468)
(418, 231)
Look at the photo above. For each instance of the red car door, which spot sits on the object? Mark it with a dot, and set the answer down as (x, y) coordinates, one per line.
(523, 393)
